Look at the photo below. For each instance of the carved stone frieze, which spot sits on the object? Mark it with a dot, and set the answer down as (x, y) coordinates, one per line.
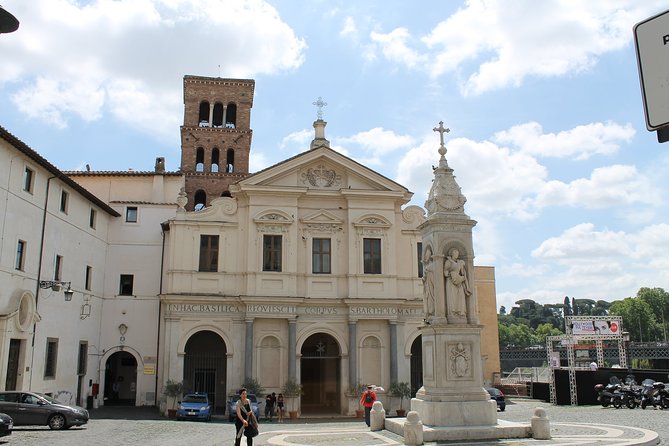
(321, 176)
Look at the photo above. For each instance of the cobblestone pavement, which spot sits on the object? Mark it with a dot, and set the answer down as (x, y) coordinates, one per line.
(582, 425)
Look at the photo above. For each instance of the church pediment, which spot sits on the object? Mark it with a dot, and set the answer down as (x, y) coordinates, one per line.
(322, 221)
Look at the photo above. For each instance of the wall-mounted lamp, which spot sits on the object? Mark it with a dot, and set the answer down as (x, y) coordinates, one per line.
(56, 285)
(123, 329)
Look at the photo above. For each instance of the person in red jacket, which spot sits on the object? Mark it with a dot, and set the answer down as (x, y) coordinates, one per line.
(367, 400)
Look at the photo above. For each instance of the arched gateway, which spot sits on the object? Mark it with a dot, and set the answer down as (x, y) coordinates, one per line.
(205, 367)
(320, 375)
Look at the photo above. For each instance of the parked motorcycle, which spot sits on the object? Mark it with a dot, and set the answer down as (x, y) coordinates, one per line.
(654, 394)
(607, 395)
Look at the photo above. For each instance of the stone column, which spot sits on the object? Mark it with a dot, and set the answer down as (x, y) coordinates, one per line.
(352, 353)
(248, 350)
(211, 115)
(292, 347)
(225, 113)
(393, 351)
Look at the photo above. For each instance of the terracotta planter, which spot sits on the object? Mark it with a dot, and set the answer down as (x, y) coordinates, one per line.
(359, 413)
(401, 412)
(292, 414)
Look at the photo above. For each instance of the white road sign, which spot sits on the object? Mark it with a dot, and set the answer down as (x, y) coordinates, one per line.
(651, 38)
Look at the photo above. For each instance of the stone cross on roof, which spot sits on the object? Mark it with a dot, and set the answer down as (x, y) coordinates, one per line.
(320, 103)
(441, 129)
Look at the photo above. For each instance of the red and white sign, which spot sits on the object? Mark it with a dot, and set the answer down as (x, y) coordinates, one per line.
(595, 327)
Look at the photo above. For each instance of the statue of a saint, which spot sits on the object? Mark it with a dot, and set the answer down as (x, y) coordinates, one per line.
(428, 284)
(457, 286)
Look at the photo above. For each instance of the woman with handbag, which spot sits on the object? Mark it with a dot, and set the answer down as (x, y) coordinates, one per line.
(245, 423)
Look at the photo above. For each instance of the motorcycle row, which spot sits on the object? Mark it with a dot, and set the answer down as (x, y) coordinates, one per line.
(631, 395)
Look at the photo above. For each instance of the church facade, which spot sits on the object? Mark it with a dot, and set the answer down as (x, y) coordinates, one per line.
(310, 270)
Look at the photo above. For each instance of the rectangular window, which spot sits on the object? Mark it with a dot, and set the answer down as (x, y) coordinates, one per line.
(125, 286)
(28, 178)
(372, 255)
(320, 256)
(92, 219)
(89, 277)
(64, 197)
(271, 253)
(419, 252)
(20, 255)
(58, 268)
(51, 357)
(131, 214)
(208, 253)
(82, 361)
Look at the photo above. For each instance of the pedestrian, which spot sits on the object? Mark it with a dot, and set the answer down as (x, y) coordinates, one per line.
(273, 403)
(367, 400)
(268, 407)
(593, 366)
(279, 405)
(245, 422)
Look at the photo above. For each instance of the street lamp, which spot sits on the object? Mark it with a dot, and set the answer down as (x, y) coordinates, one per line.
(56, 285)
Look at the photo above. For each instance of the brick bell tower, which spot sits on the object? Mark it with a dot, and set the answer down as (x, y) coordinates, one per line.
(215, 136)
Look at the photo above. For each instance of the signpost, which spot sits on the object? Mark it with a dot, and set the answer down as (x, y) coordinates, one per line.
(651, 38)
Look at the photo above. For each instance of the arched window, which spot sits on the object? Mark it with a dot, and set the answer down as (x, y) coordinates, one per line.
(230, 161)
(218, 115)
(226, 193)
(214, 160)
(200, 200)
(199, 160)
(231, 116)
(203, 119)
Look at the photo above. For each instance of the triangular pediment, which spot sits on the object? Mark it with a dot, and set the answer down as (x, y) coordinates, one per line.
(322, 169)
(321, 216)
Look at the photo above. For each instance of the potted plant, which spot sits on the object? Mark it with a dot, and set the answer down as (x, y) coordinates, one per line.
(291, 389)
(400, 390)
(253, 387)
(173, 389)
(354, 393)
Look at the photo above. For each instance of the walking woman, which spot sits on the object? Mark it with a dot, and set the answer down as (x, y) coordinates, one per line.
(245, 422)
(279, 403)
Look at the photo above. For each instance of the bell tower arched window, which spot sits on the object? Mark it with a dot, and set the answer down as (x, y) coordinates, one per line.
(200, 200)
(230, 161)
(215, 160)
(231, 116)
(199, 160)
(203, 117)
(218, 115)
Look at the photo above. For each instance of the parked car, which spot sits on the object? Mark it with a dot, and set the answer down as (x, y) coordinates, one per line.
(6, 425)
(194, 406)
(232, 405)
(497, 395)
(31, 408)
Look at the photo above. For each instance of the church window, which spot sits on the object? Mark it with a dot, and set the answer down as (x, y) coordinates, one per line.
(28, 180)
(64, 201)
(419, 252)
(20, 255)
(125, 287)
(200, 200)
(372, 255)
(230, 161)
(199, 160)
(271, 253)
(203, 119)
(231, 116)
(214, 160)
(208, 253)
(218, 115)
(320, 256)
(226, 193)
(131, 214)
(51, 356)
(58, 268)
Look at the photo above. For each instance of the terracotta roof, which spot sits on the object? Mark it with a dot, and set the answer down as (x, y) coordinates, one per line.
(118, 173)
(30, 153)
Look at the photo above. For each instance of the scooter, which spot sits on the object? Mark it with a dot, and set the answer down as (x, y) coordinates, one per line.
(609, 393)
(654, 394)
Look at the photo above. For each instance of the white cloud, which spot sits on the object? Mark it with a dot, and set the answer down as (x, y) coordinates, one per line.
(581, 142)
(349, 29)
(297, 141)
(377, 143)
(79, 59)
(507, 42)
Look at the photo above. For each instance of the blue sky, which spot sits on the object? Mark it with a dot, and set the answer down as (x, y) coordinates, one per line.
(548, 138)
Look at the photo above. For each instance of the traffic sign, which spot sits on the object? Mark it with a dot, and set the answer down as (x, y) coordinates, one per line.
(651, 38)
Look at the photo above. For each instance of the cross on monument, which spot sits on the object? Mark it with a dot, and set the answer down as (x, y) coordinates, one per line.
(320, 103)
(441, 129)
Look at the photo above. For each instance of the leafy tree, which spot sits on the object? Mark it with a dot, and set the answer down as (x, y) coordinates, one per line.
(502, 310)
(658, 300)
(638, 318)
(545, 330)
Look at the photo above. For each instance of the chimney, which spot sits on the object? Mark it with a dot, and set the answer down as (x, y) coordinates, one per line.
(160, 164)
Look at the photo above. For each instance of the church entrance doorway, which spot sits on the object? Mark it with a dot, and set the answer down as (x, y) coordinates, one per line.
(120, 380)
(205, 367)
(320, 375)
(416, 365)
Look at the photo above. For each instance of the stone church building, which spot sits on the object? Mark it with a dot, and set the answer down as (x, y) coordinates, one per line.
(309, 270)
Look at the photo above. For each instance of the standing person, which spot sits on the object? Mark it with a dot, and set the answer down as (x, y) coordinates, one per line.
(269, 405)
(367, 400)
(279, 405)
(244, 419)
(273, 405)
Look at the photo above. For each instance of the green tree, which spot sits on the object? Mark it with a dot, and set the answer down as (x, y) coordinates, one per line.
(658, 299)
(638, 318)
(545, 330)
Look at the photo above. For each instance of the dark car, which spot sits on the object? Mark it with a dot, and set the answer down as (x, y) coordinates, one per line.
(497, 395)
(6, 425)
(194, 406)
(232, 405)
(31, 408)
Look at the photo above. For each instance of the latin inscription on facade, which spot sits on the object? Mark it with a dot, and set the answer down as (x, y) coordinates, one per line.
(291, 309)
